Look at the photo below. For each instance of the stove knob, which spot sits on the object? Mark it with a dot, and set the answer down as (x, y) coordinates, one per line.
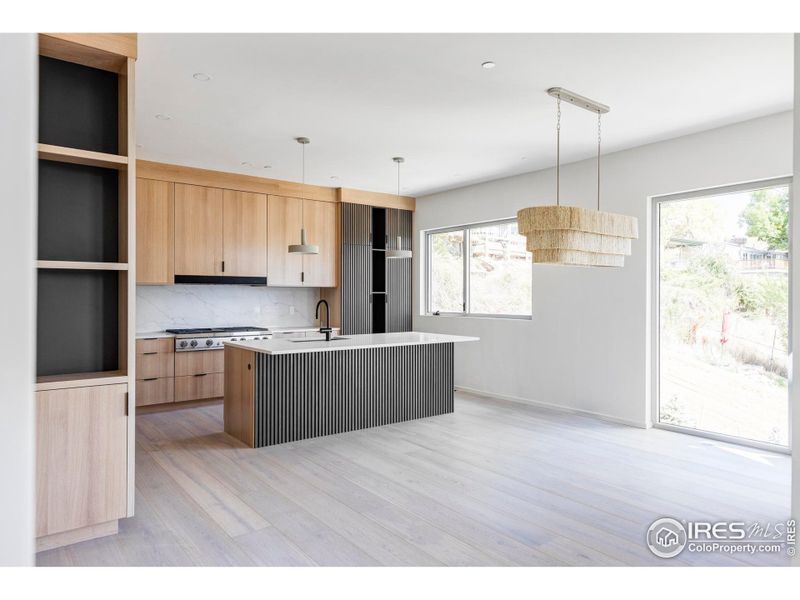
(209, 342)
(183, 344)
(193, 343)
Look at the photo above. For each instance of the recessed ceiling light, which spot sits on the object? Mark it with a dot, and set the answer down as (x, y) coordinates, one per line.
(163, 117)
(247, 164)
(523, 157)
(334, 177)
(267, 166)
(488, 64)
(202, 76)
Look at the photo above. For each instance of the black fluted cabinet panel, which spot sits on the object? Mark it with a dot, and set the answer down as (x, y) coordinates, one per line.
(312, 394)
(356, 289)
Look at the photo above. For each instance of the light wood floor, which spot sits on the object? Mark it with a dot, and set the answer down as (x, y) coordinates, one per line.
(495, 483)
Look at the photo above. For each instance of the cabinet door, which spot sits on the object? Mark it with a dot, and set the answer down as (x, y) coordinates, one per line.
(81, 457)
(245, 234)
(198, 230)
(155, 243)
(284, 220)
(320, 222)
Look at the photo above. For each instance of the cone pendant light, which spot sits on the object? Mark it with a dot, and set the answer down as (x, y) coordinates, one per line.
(398, 252)
(571, 235)
(303, 247)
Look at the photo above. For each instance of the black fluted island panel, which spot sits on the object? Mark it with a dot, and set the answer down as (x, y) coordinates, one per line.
(325, 390)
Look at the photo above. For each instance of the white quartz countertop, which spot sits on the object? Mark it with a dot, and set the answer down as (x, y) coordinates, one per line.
(141, 335)
(352, 342)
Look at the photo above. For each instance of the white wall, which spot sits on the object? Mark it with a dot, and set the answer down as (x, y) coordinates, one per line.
(587, 347)
(18, 116)
(795, 321)
(160, 307)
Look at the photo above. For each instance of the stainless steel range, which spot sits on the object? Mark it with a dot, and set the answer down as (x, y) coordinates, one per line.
(213, 338)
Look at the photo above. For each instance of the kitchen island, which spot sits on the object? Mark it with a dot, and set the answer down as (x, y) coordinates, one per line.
(281, 390)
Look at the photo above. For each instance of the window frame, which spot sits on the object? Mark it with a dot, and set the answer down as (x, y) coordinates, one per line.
(465, 250)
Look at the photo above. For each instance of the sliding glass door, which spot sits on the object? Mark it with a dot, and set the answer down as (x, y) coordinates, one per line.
(722, 291)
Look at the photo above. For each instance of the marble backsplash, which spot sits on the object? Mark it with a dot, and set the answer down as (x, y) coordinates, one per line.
(159, 307)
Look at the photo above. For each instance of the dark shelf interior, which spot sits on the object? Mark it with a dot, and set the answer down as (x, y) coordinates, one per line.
(78, 212)
(378, 313)
(78, 106)
(378, 228)
(77, 322)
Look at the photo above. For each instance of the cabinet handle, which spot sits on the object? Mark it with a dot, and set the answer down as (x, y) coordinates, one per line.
(149, 378)
(200, 374)
(302, 276)
(223, 266)
(148, 353)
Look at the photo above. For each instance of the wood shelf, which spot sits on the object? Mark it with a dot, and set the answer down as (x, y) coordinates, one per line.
(74, 380)
(82, 157)
(81, 265)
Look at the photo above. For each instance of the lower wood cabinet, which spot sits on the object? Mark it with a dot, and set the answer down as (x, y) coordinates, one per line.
(81, 457)
(155, 371)
(198, 363)
(199, 387)
(158, 390)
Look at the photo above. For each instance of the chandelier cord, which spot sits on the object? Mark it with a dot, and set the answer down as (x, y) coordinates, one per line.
(558, 151)
(598, 159)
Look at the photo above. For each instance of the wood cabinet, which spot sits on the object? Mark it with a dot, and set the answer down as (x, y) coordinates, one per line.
(198, 230)
(244, 234)
(198, 363)
(199, 387)
(320, 223)
(155, 231)
(284, 221)
(199, 375)
(155, 371)
(81, 457)
(286, 217)
(220, 232)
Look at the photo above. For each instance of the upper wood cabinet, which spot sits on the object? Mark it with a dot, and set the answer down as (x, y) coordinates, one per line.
(320, 223)
(155, 229)
(198, 230)
(284, 221)
(286, 216)
(245, 234)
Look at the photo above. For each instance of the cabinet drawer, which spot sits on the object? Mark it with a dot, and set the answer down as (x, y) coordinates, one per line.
(154, 365)
(199, 387)
(196, 363)
(155, 391)
(161, 345)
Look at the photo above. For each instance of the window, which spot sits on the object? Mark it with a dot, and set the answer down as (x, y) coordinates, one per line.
(480, 269)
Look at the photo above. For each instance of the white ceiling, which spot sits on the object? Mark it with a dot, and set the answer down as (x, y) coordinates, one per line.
(364, 98)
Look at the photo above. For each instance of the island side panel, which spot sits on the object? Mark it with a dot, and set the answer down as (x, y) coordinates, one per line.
(304, 395)
(239, 394)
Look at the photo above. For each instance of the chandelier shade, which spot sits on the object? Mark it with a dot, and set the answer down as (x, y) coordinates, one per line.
(573, 235)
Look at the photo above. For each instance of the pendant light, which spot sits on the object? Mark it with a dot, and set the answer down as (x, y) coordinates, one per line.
(398, 252)
(303, 247)
(571, 235)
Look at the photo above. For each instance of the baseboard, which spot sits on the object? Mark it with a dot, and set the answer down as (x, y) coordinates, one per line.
(554, 407)
(154, 408)
(73, 536)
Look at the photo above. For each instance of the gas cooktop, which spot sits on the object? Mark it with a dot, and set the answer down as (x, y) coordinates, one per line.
(214, 338)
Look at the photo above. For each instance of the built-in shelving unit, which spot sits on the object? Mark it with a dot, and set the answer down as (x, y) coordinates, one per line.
(375, 294)
(86, 283)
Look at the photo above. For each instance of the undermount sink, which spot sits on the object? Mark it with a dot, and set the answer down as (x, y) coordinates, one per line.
(321, 339)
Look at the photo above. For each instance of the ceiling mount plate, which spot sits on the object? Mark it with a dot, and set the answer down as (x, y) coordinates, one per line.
(302, 140)
(578, 100)
(399, 159)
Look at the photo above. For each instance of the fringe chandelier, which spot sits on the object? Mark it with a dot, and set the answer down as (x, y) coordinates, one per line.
(572, 235)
